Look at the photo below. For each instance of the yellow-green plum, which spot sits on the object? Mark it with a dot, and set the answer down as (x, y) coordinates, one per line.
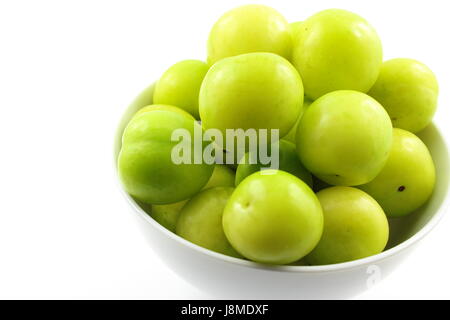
(407, 180)
(344, 138)
(355, 227)
(200, 220)
(273, 217)
(291, 136)
(408, 90)
(145, 163)
(180, 85)
(167, 214)
(154, 107)
(251, 91)
(288, 161)
(295, 30)
(222, 177)
(249, 28)
(337, 50)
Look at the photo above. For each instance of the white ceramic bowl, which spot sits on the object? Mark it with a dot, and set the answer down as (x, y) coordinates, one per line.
(230, 278)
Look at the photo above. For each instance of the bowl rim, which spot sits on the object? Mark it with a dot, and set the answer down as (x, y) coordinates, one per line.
(338, 267)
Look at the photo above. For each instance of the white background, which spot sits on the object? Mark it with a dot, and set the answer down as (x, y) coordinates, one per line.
(67, 71)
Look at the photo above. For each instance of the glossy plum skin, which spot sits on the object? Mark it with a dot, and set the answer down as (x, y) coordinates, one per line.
(167, 214)
(288, 161)
(407, 180)
(355, 227)
(145, 165)
(180, 85)
(337, 50)
(249, 28)
(344, 138)
(408, 90)
(200, 220)
(251, 91)
(273, 218)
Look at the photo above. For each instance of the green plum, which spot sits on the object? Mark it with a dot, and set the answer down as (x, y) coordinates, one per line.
(200, 220)
(295, 30)
(288, 161)
(291, 136)
(222, 177)
(408, 90)
(407, 180)
(337, 50)
(180, 85)
(273, 217)
(344, 138)
(154, 107)
(249, 28)
(355, 227)
(251, 91)
(295, 26)
(167, 214)
(145, 162)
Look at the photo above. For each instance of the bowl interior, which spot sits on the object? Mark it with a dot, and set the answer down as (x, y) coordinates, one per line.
(401, 229)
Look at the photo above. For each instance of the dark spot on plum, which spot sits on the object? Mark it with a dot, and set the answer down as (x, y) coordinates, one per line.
(401, 188)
